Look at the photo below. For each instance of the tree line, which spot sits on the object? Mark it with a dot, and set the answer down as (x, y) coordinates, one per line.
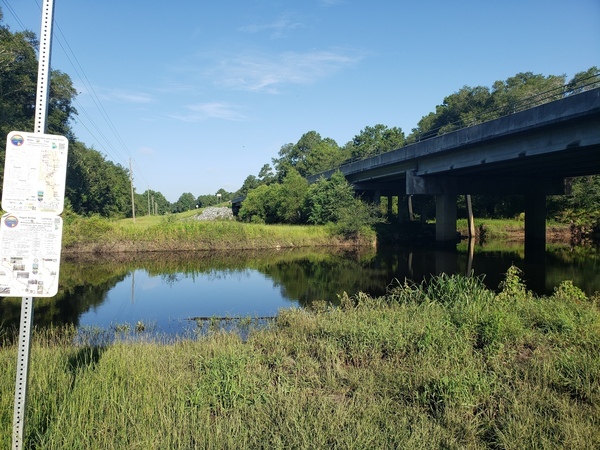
(312, 154)
(279, 192)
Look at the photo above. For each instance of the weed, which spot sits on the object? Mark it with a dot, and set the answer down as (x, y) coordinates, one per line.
(451, 366)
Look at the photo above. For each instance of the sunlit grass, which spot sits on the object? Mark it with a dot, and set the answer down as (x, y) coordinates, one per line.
(449, 364)
(179, 232)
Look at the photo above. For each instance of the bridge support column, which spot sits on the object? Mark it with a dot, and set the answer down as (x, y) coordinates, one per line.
(535, 226)
(445, 218)
(377, 197)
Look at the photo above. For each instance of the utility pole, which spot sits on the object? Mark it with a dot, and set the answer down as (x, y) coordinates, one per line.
(149, 212)
(132, 197)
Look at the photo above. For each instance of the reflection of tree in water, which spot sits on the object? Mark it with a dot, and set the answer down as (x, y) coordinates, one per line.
(170, 279)
(317, 278)
(81, 287)
(302, 275)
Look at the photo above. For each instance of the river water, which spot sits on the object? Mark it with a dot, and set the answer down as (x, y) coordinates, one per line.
(166, 293)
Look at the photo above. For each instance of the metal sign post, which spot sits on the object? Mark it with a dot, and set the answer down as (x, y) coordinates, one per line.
(41, 112)
(43, 81)
(22, 371)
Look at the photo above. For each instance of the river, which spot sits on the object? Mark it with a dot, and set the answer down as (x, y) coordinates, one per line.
(164, 293)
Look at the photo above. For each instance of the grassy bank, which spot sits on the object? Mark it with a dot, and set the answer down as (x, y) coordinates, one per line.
(181, 232)
(511, 230)
(450, 365)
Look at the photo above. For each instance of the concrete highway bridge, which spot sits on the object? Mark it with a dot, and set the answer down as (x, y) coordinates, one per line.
(530, 153)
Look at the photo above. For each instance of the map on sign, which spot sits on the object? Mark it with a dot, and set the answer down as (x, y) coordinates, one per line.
(29, 254)
(35, 172)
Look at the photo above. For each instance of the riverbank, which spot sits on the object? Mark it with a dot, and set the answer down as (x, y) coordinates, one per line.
(512, 230)
(216, 230)
(448, 365)
(186, 233)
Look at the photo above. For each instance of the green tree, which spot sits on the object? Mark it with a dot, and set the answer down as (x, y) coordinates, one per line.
(60, 105)
(463, 108)
(582, 207)
(470, 105)
(357, 219)
(151, 202)
(277, 202)
(257, 206)
(251, 182)
(583, 81)
(95, 185)
(326, 199)
(18, 85)
(223, 196)
(18, 80)
(186, 202)
(158, 202)
(526, 89)
(376, 140)
(310, 155)
(290, 197)
(204, 201)
(266, 175)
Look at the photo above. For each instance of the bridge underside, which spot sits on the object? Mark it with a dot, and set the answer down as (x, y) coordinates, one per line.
(528, 153)
(535, 178)
(523, 172)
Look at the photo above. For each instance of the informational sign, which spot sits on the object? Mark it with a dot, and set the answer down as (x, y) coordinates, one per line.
(35, 172)
(30, 247)
(33, 195)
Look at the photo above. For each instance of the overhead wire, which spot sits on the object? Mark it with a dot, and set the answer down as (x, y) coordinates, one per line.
(114, 153)
(15, 16)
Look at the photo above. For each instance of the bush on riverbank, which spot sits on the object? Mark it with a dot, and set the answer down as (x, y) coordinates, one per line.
(450, 364)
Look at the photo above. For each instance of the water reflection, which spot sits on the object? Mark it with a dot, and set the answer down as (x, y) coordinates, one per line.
(163, 291)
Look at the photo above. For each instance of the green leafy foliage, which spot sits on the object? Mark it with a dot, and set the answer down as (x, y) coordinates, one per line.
(186, 202)
(375, 140)
(327, 198)
(95, 185)
(311, 154)
(277, 202)
(357, 219)
(256, 206)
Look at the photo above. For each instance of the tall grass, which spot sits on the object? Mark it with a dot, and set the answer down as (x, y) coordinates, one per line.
(448, 364)
(175, 233)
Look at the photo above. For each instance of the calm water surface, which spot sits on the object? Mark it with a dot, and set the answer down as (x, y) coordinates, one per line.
(166, 292)
(167, 302)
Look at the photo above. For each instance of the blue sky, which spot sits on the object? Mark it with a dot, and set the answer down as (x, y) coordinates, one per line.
(201, 94)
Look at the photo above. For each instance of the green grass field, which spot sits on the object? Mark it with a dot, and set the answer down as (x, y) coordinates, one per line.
(447, 365)
(180, 232)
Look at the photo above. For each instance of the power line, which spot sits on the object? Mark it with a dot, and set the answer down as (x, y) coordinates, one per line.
(12, 13)
(115, 154)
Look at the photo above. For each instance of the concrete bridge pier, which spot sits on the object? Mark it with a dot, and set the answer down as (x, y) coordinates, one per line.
(445, 218)
(535, 227)
(445, 193)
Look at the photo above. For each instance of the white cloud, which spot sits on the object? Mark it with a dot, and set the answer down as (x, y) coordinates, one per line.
(120, 96)
(211, 110)
(267, 74)
(277, 28)
(331, 2)
(147, 151)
